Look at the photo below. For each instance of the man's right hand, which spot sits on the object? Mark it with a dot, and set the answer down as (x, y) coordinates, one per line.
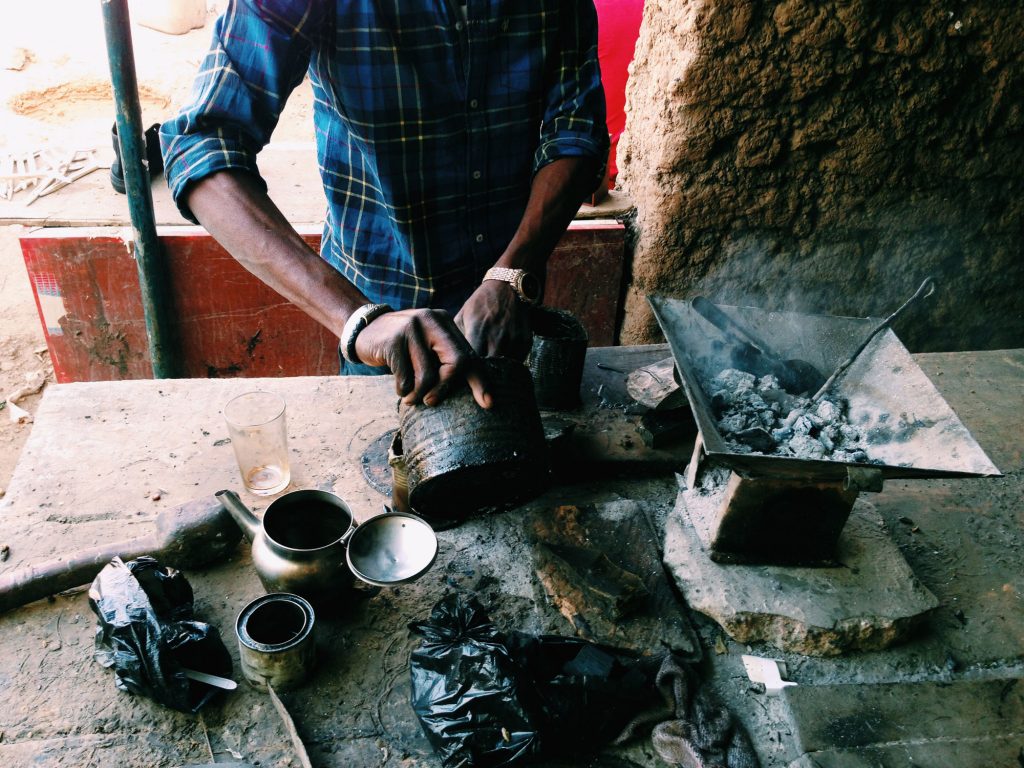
(427, 354)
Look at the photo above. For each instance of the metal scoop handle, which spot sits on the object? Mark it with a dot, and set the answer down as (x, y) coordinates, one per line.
(927, 289)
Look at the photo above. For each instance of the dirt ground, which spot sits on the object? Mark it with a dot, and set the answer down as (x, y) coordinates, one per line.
(55, 93)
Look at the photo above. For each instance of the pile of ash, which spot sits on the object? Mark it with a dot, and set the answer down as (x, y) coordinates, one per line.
(756, 415)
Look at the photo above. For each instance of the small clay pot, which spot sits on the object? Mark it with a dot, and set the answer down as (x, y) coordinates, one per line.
(461, 459)
(556, 359)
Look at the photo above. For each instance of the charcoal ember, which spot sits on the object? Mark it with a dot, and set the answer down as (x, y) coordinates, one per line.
(721, 401)
(782, 434)
(851, 435)
(857, 455)
(734, 381)
(829, 411)
(806, 447)
(737, 447)
(758, 438)
(753, 401)
(757, 415)
(713, 479)
(803, 425)
(733, 423)
(827, 443)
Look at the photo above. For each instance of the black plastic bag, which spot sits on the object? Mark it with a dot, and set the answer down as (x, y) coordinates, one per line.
(146, 632)
(466, 689)
(584, 694)
(487, 699)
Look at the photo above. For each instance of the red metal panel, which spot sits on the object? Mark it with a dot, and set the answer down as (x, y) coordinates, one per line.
(86, 289)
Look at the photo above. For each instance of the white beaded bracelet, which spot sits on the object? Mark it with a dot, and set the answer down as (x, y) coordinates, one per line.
(356, 322)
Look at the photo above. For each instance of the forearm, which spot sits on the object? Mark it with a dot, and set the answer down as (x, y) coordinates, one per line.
(555, 197)
(242, 218)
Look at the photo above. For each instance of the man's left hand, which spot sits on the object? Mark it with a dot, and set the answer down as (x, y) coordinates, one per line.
(496, 322)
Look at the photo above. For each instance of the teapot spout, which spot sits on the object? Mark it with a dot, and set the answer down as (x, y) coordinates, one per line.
(240, 513)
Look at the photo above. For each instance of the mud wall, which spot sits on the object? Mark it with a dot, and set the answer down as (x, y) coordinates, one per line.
(826, 156)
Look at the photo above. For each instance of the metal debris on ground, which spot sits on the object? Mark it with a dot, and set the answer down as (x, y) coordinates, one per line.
(43, 171)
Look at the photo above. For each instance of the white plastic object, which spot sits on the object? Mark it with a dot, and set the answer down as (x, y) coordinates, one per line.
(766, 672)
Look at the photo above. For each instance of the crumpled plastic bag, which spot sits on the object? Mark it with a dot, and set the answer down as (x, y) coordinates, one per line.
(485, 698)
(146, 632)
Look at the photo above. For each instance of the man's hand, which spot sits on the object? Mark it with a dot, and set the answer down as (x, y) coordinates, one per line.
(427, 354)
(496, 322)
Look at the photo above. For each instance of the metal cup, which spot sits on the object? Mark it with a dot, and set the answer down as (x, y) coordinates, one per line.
(259, 435)
(276, 643)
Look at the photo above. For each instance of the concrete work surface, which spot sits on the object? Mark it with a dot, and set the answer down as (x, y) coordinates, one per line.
(105, 457)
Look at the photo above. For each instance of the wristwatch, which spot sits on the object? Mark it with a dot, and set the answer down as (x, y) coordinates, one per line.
(356, 322)
(526, 284)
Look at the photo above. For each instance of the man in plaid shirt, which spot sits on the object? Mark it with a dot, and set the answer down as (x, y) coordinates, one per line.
(452, 140)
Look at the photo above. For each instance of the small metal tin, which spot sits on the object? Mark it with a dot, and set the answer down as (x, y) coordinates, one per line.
(276, 644)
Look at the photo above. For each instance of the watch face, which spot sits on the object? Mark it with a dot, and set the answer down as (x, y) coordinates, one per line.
(529, 285)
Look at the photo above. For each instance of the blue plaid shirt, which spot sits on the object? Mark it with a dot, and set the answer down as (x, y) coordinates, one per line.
(429, 125)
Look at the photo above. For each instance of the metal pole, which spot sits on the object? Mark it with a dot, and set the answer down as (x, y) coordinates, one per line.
(149, 256)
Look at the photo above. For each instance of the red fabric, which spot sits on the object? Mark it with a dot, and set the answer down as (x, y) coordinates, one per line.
(618, 26)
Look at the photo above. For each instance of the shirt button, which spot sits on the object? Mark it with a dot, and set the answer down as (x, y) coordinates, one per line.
(473, 103)
(477, 174)
(458, 25)
(479, 238)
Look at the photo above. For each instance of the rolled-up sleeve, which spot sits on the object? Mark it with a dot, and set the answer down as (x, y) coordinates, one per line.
(259, 53)
(574, 116)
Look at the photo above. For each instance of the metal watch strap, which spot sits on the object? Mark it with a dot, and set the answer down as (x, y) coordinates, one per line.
(503, 273)
(356, 322)
(513, 277)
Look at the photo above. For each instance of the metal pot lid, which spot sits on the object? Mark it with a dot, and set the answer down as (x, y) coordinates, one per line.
(391, 549)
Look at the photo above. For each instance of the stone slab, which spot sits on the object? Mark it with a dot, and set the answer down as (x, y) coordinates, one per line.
(870, 601)
(963, 723)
